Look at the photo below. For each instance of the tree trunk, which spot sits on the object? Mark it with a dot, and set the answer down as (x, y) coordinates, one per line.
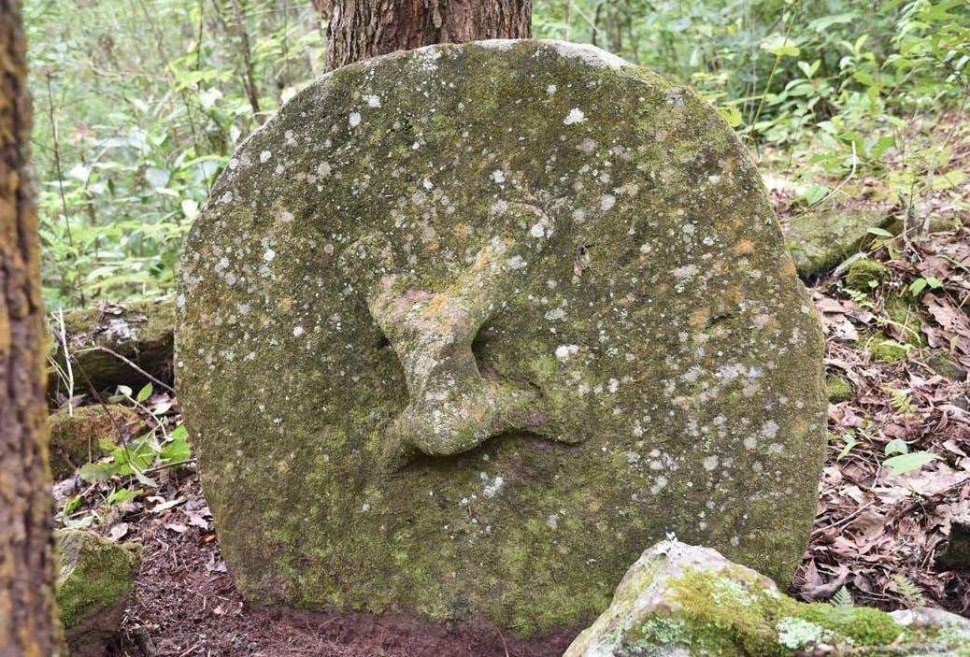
(27, 624)
(366, 28)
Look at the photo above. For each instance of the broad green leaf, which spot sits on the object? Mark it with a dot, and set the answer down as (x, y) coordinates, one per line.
(156, 177)
(72, 504)
(896, 446)
(815, 193)
(123, 495)
(908, 462)
(94, 472)
(917, 286)
(780, 46)
(145, 393)
(190, 208)
(948, 180)
(176, 451)
(79, 523)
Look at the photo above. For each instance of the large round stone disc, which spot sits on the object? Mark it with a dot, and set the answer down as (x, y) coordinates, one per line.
(464, 330)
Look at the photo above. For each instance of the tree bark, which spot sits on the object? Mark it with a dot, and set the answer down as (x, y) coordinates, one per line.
(360, 29)
(27, 623)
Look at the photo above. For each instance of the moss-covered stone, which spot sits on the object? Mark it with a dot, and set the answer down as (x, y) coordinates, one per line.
(141, 333)
(946, 366)
(75, 436)
(462, 329)
(863, 275)
(821, 239)
(838, 388)
(905, 316)
(96, 579)
(889, 351)
(692, 602)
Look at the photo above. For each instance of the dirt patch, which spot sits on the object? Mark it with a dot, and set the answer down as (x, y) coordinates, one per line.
(186, 604)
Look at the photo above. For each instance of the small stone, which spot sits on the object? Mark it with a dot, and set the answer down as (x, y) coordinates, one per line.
(947, 367)
(889, 351)
(820, 239)
(838, 388)
(863, 275)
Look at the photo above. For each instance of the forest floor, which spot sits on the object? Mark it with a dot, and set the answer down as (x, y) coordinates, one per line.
(877, 534)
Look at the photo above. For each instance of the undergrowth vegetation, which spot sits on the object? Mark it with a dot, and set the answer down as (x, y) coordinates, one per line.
(138, 103)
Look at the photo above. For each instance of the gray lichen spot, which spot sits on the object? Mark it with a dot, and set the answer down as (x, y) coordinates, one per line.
(512, 312)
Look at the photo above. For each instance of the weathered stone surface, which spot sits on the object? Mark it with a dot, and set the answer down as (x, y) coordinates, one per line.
(821, 239)
(678, 600)
(141, 332)
(463, 329)
(95, 582)
(75, 436)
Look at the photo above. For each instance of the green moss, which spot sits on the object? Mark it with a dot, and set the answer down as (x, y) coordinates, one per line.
(904, 314)
(95, 575)
(865, 274)
(889, 351)
(838, 388)
(861, 625)
(726, 614)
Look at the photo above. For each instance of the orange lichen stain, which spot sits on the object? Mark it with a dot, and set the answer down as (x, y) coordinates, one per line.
(482, 261)
(432, 246)
(462, 230)
(788, 269)
(437, 305)
(699, 317)
(744, 247)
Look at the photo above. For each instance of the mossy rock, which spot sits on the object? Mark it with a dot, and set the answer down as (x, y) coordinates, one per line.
(903, 310)
(820, 239)
(141, 333)
(96, 579)
(946, 366)
(889, 351)
(463, 329)
(685, 601)
(75, 436)
(863, 275)
(838, 388)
